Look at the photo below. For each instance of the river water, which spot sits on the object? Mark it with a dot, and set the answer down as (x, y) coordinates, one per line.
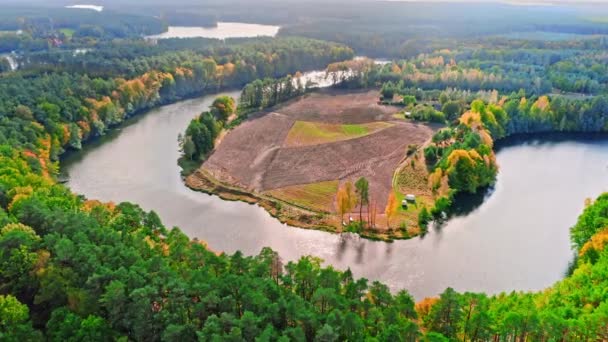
(514, 237)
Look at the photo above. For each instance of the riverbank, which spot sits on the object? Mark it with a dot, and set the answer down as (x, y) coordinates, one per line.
(285, 212)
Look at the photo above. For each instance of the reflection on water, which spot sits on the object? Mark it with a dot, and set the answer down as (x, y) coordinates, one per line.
(512, 237)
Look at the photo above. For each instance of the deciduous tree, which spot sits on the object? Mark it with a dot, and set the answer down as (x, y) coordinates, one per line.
(362, 186)
(391, 208)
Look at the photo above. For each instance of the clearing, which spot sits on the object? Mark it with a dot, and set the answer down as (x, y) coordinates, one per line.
(300, 152)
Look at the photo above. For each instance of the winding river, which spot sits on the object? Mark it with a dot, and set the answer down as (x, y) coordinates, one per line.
(514, 237)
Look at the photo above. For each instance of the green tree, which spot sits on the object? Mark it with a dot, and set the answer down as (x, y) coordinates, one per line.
(223, 107)
(326, 334)
(409, 100)
(362, 186)
(424, 217)
(445, 315)
(15, 325)
(388, 91)
(452, 110)
(18, 257)
(189, 148)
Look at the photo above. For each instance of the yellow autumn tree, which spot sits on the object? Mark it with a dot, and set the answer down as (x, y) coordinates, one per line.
(391, 208)
(435, 179)
(395, 68)
(346, 199)
(486, 138)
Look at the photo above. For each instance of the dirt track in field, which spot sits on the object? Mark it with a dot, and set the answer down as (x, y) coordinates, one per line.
(254, 156)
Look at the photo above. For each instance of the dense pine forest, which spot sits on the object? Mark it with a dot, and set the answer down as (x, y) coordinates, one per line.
(77, 269)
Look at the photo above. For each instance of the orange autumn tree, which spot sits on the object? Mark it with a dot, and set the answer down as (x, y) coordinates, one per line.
(424, 307)
(391, 208)
(594, 246)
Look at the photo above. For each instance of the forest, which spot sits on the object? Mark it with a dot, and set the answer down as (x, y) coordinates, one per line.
(77, 269)
(75, 106)
(25, 28)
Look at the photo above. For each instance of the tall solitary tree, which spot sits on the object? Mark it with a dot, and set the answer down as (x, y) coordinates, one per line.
(189, 149)
(362, 186)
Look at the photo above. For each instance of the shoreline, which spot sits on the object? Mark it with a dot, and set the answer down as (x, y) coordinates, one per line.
(285, 212)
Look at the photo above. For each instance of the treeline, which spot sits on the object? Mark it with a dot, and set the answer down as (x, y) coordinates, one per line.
(268, 92)
(560, 68)
(430, 72)
(44, 28)
(203, 130)
(433, 105)
(264, 93)
(21, 42)
(249, 58)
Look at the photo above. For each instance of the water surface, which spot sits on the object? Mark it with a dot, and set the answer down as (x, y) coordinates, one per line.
(223, 30)
(514, 237)
(90, 7)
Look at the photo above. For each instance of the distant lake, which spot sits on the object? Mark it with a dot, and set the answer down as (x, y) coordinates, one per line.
(222, 31)
(91, 7)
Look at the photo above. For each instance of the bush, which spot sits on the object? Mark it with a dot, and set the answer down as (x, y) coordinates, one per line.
(442, 204)
(411, 149)
(452, 110)
(409, 100)
(424, 217)
(354, 227)
(427, 113)
(432, 154)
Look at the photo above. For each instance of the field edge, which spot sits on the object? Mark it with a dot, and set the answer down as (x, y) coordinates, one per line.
(287, 213)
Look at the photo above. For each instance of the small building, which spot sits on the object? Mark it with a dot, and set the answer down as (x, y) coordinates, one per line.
(408, 114)
(404, 204)
(410, 198)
